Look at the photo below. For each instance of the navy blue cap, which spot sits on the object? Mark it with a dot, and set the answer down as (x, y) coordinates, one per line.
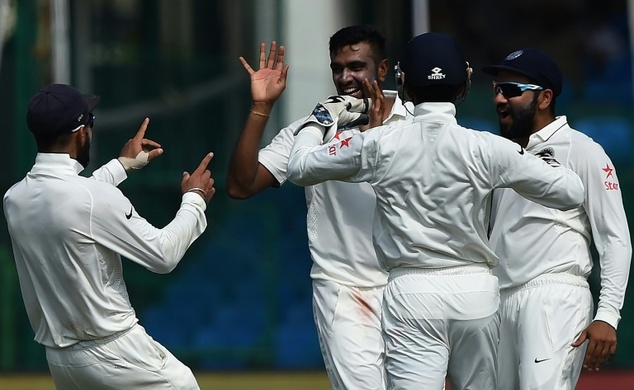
(59, 108)
(534, 64)
(434, 59)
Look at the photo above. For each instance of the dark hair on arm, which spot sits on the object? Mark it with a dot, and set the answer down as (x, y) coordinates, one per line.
(359, 33)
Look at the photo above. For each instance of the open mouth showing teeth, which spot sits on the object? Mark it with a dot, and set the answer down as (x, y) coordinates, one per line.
(503, 113)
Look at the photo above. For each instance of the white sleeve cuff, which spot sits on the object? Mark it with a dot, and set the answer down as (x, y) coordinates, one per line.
(195, 200)
(608, 317)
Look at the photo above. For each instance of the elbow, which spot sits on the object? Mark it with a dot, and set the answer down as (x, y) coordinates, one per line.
(574, 198)
(579, 195)
(168, 263)
(236, 193)
(295, 176)
(164, 267)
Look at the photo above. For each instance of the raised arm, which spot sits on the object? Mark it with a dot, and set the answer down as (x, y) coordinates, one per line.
(246, 176)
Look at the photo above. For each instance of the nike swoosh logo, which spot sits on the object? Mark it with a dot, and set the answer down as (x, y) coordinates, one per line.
(541, 360)
(129, 215)
(521, 151)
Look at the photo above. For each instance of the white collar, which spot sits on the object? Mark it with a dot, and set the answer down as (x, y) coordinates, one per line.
(58, 162)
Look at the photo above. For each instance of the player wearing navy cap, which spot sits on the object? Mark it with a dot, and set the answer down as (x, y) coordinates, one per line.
(545, 259)
(433, 181)
(68, 233)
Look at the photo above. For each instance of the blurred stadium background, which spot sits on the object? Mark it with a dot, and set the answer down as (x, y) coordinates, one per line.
(240, 301)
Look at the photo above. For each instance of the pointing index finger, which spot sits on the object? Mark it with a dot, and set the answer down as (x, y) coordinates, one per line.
(141, 133)
(203, 164)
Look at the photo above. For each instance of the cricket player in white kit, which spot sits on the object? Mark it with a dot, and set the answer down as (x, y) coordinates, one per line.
(68, 233)
(347, 280)
(546, 304)
(433, 180)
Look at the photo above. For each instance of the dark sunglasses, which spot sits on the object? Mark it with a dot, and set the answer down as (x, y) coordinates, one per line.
(510, 89)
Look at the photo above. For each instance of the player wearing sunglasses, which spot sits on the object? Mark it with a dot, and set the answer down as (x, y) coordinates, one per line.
(511, 89)
(546, 306)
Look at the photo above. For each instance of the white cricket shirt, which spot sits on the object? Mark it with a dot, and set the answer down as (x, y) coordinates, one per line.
(68, 234)
(532, 240)
(433, 180)
(339, 217)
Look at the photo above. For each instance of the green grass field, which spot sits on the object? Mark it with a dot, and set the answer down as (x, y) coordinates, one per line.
(605, 379)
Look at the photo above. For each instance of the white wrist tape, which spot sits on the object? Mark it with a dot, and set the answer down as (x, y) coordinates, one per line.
(138, 162)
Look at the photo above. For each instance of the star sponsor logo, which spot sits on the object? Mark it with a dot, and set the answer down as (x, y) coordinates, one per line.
(610, 185)
(344, 143)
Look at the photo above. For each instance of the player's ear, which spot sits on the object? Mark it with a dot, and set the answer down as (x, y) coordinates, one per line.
(382, 69)
(545, 99)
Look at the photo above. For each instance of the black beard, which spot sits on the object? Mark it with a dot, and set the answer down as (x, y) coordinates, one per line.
(522, 122)
(83, 156)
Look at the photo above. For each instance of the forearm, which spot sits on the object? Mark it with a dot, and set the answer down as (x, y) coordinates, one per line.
(555, 187)
(175, 238)
(565, 191)
(615, 268)
(243, 165)
(160, 250)
(311, 163)
(112, 172)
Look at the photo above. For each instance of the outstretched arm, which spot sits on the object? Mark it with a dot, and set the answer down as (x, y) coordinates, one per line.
(246, 176)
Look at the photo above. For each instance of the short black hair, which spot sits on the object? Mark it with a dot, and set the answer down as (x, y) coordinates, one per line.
(359, 33)
(47, 142)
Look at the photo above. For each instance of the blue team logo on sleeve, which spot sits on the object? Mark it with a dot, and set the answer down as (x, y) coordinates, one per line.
(323, 115)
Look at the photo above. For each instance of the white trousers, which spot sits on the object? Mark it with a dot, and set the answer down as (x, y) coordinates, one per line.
(539, 322)
(441, 324)
(348, 321)
(128, 360)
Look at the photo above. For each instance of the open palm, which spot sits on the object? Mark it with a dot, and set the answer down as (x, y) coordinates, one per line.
(268, 82)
